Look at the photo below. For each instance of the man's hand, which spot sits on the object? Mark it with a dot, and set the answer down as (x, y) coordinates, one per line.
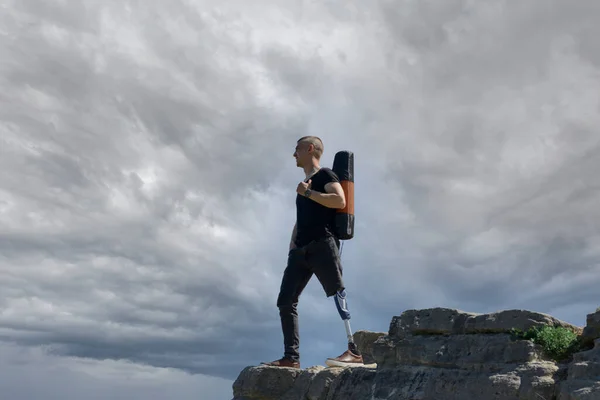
(333, 197)
(302, 186)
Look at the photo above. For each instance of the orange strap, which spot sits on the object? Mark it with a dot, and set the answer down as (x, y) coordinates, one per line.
(348, 187)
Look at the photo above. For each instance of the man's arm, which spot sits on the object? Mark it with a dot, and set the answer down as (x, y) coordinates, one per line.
(333, 197)
(293, 239)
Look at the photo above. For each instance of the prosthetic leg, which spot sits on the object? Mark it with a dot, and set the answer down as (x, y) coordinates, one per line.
(342, 307)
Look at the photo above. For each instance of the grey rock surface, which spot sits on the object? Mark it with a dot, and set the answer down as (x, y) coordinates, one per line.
(583, 376)
(365, 341)
(591, 331)
(437, 354)
(446, 321)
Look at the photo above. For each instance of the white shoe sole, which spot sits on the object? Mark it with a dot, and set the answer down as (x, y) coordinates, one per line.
(333, 363)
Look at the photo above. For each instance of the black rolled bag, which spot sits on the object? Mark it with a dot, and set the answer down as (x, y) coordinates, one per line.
(343, 166)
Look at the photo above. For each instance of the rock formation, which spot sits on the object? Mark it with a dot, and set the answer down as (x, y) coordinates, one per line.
(445, 354)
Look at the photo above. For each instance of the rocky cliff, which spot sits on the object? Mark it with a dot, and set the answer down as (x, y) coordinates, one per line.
(445, 354)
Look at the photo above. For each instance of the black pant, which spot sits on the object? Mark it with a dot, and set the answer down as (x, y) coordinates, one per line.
(320, 257)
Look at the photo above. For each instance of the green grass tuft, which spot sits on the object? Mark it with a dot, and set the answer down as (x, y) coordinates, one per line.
(558, 343)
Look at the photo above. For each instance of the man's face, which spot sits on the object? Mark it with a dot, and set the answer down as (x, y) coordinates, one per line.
(302, 153)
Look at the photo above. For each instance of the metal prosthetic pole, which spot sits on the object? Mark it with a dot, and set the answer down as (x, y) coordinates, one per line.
(342, 307)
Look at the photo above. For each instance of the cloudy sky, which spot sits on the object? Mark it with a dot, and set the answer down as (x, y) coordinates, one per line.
(147, 182)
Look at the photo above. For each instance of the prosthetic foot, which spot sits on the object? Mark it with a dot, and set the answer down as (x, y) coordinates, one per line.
(346, 359)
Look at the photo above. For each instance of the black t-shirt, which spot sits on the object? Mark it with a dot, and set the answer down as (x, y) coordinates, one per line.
(315, 221)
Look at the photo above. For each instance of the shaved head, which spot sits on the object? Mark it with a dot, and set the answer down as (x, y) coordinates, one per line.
(316, 142)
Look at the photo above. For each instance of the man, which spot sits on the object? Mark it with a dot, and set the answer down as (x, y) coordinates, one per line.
(314, 249)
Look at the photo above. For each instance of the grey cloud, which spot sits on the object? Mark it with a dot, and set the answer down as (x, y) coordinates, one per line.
(72, 378)
(488, 139)
(72, 15)
(147, 184)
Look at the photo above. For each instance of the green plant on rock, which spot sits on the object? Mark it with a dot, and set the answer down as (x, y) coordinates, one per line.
(558, 343)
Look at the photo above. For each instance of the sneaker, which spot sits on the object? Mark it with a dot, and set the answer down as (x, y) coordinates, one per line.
(283, 362)
(347, 359)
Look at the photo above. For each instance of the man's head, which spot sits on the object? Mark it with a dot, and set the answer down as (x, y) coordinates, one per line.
(309, 150)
